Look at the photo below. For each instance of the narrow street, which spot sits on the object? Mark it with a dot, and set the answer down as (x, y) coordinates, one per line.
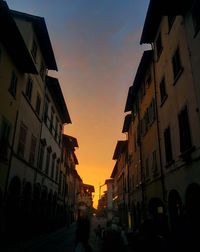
(61, 241)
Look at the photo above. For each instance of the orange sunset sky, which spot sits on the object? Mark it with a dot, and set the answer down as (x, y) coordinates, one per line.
(96, 45)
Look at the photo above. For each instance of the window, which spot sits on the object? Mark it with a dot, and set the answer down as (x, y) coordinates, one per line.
(151, 112)
(22, 140)
(184, 130)
(56, 129)
(38, 104)
(57, 170)
(163, 94)
(154, 164)
(34, 50)
(168, 145)
(53, 165)
(159, 45)
(13, 84)
(196, 16)
(41, 156)
(29, 87)
(47, 160)
(60, 134)
(42, 70)
(46, 108)
(32, 150)
(4, 137)
(171, 20)
(51, 120)
(176, 64)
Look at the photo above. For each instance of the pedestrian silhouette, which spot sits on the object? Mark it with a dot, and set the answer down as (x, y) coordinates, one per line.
(82, 234)
(113, 240)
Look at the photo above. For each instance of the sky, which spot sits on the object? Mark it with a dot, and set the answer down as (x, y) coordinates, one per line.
(97, 50)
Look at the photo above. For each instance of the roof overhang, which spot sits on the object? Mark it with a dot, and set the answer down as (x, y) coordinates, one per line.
(70, 141)
(119, 148)
(156, 10)
(57, 95)
(14, 42)
(141, 71)
(42, 36)
(129, 100)
(127, 122)
(75, 159)
(88, 187)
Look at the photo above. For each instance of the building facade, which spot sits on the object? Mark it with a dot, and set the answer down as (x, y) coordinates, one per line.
(33, 184)
(163, 126)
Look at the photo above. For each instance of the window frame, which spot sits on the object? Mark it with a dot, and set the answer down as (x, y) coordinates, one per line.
(159, 45)
(168, 146)
(196, 17)
(163, 92)
(176, 65)
(13, 84)
(5, 130)
(185, 138)
(29, 88)
(23, 132)
(33, 145)
(38, 104)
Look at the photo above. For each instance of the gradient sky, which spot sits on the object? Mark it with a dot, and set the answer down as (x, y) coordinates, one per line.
(96, 45)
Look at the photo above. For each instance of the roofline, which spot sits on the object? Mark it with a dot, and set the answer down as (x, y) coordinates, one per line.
(127, 121)
(119, 148)
(156, 10)
(14, 42)
(43, 37)
(54, 88)
(145, 61)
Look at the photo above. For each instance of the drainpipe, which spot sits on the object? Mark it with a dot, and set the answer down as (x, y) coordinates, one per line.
(141, 168)
(158, 132)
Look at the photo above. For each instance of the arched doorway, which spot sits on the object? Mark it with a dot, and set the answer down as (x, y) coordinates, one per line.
(192, 201)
